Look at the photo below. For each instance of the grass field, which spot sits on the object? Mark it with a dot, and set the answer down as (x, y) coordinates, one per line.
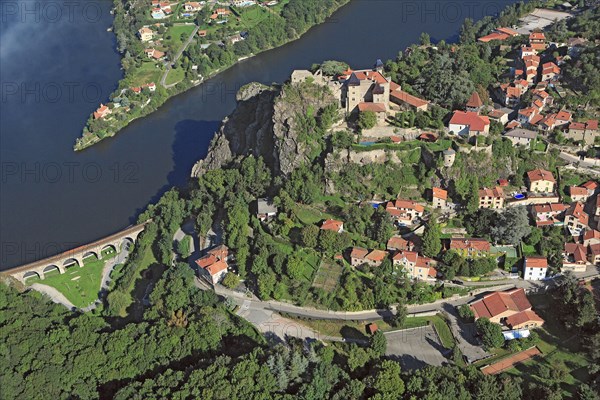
(173, 37)
(175, 75)
(146, 73)
(79, 285)
(310, 216)
(327, 276)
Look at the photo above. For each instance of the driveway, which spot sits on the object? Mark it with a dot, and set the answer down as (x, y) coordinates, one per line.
(468, 343)
(416, 348)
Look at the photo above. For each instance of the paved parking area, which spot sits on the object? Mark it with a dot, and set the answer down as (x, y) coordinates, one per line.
(539, 19)
(416, 348)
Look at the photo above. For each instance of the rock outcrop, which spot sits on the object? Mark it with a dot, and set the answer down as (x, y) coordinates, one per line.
(265, 123)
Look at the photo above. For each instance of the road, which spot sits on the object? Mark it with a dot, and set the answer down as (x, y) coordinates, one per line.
(163, 79)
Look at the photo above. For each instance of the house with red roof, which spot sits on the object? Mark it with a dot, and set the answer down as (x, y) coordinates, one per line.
(332, 225)
(470, 247)
(102, 112)
(469, 124)
(357, 256)
(416, 266)
(145, 34)
(594, 253)
(541, 181)
(535, 268)
(154, 54)
(578, 193)
(398, 243)
(491, 198)
(551, 214)
(213, 266)
(406, 100)
(576, 219)
(590, 237)
(591, 187)
(550, 71)
(527, 51)
(537, 40)
(404, 212)
(583, 131)
(510, 308)
(379, 109)
(439, 197)
(574, 258)
(375, 257)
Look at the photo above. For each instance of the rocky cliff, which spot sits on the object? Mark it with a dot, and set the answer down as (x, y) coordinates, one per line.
(266, 123)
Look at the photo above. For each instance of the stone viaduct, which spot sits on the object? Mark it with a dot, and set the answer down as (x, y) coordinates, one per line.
(76, 256)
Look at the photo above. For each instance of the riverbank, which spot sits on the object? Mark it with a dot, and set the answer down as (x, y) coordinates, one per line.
(199, 65)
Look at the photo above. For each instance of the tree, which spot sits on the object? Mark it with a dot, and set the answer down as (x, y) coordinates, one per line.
(491, 333)
(511, 226)
(465, 312)
(309, 235)
(231, 280)
(183, 246)
(424, 39)
(378, 343)
(586, 311)
(400, 316)
(367, 120)
(357, 357)
(388, 380)
(432, 243)
(333, 68)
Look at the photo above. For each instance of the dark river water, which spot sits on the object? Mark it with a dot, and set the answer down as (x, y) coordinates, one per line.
(57, 62)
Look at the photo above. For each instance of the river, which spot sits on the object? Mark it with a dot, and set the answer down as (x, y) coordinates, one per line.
(57, 62)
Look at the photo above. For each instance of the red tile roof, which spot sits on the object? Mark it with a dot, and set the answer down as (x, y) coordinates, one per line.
(547, 208)
(377, 255)
(493, 36)
(331, 225)
(358, 252)
(473, 120)
(470, 243)
(576, 211)
(374, 107)
(577, 251)
(536, 262)
(498, 302)
(399, 243)
(409, 205)
(577, 191)
(408, 98)
(563, 115)
(440, 193)
(540, 175)
(508, 31)
(495, 192)
(537, 36)
(523, 317)
(590, 185)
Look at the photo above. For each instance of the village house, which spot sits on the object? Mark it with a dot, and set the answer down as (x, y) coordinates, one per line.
(357, 256)
(563, 118)
(377, 108)
(583, 131)
(550, 71)
(548, 214)
(366, 87)
(439, 197)
(594, 254)
(332, 225)
(398, 243)
(102, 112)
(192, 6)
(145, 34)
(576, 220)
(499, 34)
(597, 208)
(510, 308)
(526, 115)
(537, 40)
(535, 268)
(574, 258)
(375, 257)
(510, 93)
(491, 198)
(470, 247)
(468, 124)
(416, 266)
(542, 96)
(500, 115)
(527, 51)
(404, 212)
(265, 209)
(591, 187)
(541, 181)
(405, 100)
(547, 123)
(155, 54)
(213, 266)
(521, 136)
(591, 237)
(578, 193)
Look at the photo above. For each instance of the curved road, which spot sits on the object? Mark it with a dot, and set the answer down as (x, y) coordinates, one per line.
(163, 79)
